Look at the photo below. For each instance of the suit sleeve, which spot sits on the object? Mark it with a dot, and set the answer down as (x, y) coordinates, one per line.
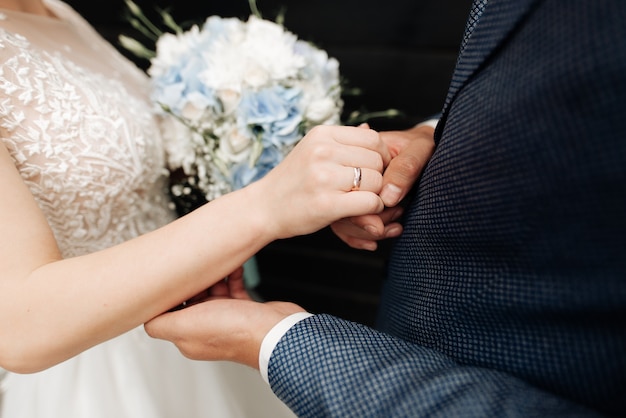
(328, 367)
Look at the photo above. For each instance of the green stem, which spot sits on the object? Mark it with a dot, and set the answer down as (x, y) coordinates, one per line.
(139, 26)
(150, 26)
(142, 20)
(357, 118)
(255, 11)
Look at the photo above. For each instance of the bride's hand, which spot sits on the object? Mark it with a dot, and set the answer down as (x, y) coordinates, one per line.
(314, 185)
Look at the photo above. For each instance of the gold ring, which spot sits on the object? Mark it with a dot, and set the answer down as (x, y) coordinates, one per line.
(356, 182)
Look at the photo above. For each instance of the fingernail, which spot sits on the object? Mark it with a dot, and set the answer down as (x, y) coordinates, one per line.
(393, 232)
(391, 194)
(371, 230)
(397, 213)
(369, 246)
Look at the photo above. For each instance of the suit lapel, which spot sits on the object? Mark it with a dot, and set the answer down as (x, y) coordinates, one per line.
(497, 21)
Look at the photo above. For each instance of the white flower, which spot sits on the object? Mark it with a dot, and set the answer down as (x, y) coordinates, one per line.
(322, 111)
(230, 99)
(170, 48)
(178, 146)
(319, 66)
(196, 106)
(224, 64)
(270, 47)
(255, 76)
(234, 145)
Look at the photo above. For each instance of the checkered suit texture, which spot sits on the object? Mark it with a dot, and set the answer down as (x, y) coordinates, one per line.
(507, 290)
(475, 12)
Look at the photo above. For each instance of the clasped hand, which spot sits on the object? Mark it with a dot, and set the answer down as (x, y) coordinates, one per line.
(230, 326)
(410, 150)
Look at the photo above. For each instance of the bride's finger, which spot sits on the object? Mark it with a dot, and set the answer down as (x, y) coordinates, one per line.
(356, 138)
(357, 203)
(361, 179)
(355, 156)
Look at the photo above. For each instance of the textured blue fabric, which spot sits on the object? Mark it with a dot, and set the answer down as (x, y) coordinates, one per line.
(327, 367)
(475, 12)
(506, 293)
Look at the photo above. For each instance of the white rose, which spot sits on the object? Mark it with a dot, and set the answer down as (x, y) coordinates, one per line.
(321, 111)
(235, 146)
(230, 99)
(195, 107)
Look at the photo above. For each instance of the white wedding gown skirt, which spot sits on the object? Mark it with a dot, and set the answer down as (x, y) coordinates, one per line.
(135, 376)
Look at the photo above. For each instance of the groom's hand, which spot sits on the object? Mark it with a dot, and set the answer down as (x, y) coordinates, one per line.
(221, 329)
(232, 287)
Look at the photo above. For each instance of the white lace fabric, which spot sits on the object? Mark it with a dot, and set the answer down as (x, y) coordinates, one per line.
(82, 134)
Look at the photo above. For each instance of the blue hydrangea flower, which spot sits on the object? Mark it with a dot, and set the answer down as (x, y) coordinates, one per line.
(274, 113)
(243, 173)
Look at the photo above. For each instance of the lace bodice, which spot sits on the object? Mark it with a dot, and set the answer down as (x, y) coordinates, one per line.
(76, 119)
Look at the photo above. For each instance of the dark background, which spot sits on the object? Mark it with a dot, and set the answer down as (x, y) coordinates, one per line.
(399, 53)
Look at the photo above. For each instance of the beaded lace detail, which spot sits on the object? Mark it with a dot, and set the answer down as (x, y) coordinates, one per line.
(85, 144)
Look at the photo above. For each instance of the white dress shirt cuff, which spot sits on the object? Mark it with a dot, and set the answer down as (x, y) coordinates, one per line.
(273, 337)
(430, 122)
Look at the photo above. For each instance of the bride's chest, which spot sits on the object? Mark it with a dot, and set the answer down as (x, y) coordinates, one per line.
(74, 126)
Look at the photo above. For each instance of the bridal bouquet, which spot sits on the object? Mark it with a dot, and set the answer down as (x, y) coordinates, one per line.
(234, 98)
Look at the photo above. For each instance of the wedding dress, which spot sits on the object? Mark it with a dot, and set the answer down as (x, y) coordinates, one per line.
(75, 117)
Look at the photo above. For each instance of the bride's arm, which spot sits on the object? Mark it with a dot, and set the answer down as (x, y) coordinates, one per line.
(52, 309)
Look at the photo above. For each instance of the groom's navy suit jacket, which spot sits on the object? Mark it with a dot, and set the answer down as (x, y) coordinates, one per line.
(506, 292)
